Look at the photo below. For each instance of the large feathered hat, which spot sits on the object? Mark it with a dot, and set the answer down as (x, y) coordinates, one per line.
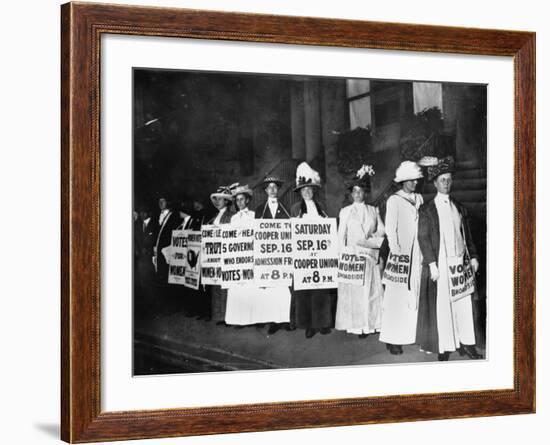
(408, 171)
(237, 189)
(223, 191)
(444, 165)
(306, 177)
(361, 178)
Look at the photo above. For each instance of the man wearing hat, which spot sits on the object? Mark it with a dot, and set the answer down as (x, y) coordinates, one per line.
(400, 303)
(167, 220)
(445, 324)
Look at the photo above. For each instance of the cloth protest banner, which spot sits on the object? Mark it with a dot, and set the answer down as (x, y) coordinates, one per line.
(315, 253)
(192, 257)
(237, 255)
(211, 254)
(351, 266)
(461, 277)
(272, 252)
(177, 257)
(398, 270)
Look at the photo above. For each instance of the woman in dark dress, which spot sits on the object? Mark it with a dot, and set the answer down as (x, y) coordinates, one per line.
(310, 309)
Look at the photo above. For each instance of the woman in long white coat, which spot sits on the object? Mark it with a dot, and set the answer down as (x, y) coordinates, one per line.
(361, 230)
(400, 307)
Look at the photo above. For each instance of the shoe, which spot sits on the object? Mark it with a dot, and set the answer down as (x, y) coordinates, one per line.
(365, 336)
(470, 351)
(325, 331)
(396, 350)
(273, 327)
(220, 323)
(310, 333)
(239, 326)
(444, 357)
(289, 327)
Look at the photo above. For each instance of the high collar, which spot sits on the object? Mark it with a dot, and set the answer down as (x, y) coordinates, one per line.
(443, 198)
(405, 194)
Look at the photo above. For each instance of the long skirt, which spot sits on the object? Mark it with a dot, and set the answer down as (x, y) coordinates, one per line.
(249, 305)
(400, 307)
(312, 309)
(219, 303)
(273, 305)
(358, 310)
(241, 302)
(455, 320)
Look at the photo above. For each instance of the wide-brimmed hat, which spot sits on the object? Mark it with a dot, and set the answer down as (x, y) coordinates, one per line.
(444, 165)
(237, 189)
(268, 179)
(408, 171)
(306, 177)
(361, 178)
(223, 191)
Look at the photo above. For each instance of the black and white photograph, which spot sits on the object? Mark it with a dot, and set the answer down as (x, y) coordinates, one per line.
(291, 221)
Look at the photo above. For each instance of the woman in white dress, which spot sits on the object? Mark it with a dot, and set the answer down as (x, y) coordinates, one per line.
(400, 306)
(241, 299)
(362, 231)
(249, 304)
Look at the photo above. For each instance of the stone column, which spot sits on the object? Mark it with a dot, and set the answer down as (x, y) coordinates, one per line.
(297, 120)
(334, 118)
(312, 119)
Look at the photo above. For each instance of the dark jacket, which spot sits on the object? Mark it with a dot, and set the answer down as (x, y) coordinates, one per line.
(225, 219)
(299, 208)
(428, 231)
(163, 239)
(311, 308)
(263, 211)
(428, 239)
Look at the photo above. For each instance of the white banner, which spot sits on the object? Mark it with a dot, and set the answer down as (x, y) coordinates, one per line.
(211, 254)
(461, 277)
(398, 270)
(237, 255)
(351, 266)
(193, 259)
(177, 257)
(315, 253)
(272, 252)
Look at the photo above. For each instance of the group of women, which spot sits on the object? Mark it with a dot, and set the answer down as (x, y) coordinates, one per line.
(374, 306)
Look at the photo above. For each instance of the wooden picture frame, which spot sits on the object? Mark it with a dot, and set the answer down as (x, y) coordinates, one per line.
(82, 26)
